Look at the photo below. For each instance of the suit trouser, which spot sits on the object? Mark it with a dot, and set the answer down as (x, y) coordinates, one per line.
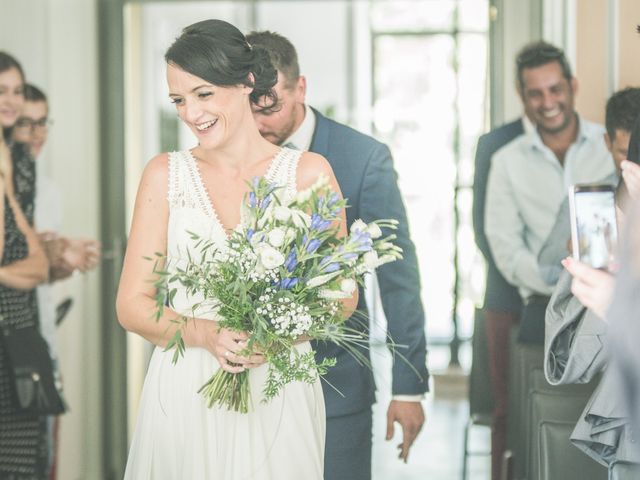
(347, 451)
(498, 328)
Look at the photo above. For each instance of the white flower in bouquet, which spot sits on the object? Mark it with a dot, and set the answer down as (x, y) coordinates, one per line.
(374, 230)
(300, 219)
(333, 294)
(348, 286)
(303, 196)
(358, 226)
(281, 213)
(386, 259)
(322, 279)
(269, 257)
(289, 235)
(370, 259)
(276, 237)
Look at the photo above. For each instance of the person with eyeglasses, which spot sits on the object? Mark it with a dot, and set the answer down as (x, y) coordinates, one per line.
(66, 255)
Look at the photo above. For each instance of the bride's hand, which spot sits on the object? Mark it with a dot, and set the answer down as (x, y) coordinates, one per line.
(229, 347)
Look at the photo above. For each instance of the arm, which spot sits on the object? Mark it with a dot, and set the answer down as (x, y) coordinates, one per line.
(505, 231)
(135, 303)
(310, 167)
(31, 271)
(400, 294)
(554, 248)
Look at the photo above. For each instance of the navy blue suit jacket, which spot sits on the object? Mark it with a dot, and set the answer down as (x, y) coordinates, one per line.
(499, 294)
(365, 173)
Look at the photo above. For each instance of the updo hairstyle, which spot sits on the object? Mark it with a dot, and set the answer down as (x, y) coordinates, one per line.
(219, 53)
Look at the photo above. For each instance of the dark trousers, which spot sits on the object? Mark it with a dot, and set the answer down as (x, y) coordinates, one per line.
(347, 451)
(498, 328)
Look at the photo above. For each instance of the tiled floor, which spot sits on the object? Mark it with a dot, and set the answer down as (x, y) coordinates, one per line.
(437, 452)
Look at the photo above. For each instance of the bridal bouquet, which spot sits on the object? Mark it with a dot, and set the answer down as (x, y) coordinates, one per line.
(281, 278)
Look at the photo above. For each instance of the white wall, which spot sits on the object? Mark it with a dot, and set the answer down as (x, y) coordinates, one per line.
(321, 43)
(56, 44)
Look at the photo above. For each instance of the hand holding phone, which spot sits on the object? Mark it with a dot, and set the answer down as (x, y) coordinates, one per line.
(594, 231)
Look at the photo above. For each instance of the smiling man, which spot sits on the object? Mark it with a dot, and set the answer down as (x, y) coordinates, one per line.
(529, 177)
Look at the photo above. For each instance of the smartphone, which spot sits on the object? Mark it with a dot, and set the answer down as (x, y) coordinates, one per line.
(594, 231)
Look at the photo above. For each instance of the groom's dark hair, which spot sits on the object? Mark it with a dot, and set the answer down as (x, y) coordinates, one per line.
(282, 52)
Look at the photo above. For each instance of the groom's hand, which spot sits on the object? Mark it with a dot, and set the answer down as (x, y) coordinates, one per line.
(410, 416)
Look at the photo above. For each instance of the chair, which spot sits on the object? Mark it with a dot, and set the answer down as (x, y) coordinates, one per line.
(523, 360)
(558, 461)
(480, 392)
(560, 403)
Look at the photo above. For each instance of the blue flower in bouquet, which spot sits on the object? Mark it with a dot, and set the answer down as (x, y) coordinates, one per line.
(265, 202)
(291, 261)
(287, 283)
(360, 241)
(318, 223)
(327, 265)
(313, 245)
(253, 201)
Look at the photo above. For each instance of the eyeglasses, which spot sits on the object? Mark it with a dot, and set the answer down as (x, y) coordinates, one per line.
(33, 125)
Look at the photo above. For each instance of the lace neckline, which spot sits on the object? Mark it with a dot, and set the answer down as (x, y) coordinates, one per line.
(204, 199)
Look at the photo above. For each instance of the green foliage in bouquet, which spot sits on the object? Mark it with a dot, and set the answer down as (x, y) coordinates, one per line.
(281, 278)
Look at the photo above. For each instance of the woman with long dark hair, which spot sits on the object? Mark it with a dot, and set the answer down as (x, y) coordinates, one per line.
(23, 448)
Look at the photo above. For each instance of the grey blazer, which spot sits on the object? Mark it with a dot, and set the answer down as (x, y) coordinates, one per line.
(575, 352)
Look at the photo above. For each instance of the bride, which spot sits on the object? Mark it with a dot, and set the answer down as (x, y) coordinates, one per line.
(214, 76)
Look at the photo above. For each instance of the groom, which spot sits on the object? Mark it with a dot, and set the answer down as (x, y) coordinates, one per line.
(364, 170)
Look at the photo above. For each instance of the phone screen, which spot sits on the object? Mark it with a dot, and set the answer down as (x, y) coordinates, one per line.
(594, 230)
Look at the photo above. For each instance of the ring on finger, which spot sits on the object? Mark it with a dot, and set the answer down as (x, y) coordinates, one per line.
(227, 353)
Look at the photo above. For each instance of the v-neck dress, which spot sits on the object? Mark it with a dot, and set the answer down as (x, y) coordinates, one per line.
(176, 435)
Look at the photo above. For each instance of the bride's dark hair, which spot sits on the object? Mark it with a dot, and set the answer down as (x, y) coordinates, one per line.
(219, 53)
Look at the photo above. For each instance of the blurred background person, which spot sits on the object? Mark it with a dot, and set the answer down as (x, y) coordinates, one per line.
(622, 109)
(23, 453)
(65, 255)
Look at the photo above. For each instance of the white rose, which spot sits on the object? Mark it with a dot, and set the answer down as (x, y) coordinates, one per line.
(358, 226)
(348, 286)
(374, 230)
(370, 259)
(282, 214)
(270, 258)
(276, 237)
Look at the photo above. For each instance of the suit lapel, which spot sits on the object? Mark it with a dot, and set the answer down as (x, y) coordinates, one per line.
(320, 140)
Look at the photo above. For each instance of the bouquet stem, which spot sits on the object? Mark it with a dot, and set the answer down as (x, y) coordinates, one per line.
(230, 390)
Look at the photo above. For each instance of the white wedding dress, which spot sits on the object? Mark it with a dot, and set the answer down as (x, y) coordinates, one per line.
(177, 437)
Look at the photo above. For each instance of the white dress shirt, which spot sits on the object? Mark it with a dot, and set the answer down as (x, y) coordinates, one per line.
(302, 137)
(526, 187)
